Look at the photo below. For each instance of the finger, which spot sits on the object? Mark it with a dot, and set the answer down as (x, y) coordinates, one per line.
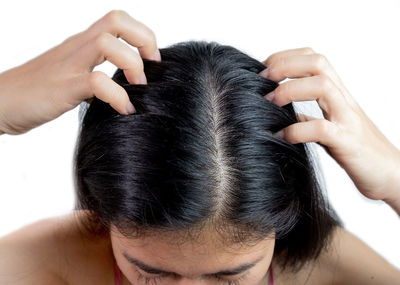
(106, 46)
(276, 57)
(300, 117)
(318, 130)
(299, 66)
(305, 65)
(289, 52)
(98, 84)
(319, 87)
(120, 24)
(304, 118)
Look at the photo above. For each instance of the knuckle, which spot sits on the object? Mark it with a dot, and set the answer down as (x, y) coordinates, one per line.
(149, 35)
(308, 50)
(95, 78)
(319, 60)
(114, 17)
(116, 14)
(326, 83)
(102, 39)
(323, 127)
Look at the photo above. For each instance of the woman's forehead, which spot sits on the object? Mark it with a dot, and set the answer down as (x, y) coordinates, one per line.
(206, 243)
(192, 258)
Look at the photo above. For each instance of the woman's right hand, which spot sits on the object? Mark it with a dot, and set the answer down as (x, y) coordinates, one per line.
(58, 80)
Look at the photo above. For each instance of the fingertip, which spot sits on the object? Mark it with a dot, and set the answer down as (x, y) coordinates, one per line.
(264, 73)
(135, 78)
(142, 79)
(157, 55)
(130, 109)
(280, 134)
(270, 96)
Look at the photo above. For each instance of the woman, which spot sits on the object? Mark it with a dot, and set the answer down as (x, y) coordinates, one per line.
(123, 234)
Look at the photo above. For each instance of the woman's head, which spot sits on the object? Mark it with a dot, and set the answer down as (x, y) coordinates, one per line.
(197, 163)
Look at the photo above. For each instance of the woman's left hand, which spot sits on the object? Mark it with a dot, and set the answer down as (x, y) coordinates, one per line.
(348, 135)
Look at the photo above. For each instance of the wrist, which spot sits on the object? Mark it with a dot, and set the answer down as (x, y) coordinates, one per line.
(393, 192)
(394, 203)
(2, 103)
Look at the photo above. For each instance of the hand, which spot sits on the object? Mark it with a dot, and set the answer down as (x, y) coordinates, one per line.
(61, 78)
(345, 132)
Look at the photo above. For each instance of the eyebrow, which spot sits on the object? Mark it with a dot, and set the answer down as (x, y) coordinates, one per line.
(228, 272)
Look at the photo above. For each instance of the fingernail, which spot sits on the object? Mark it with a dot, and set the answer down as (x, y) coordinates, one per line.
(270, 96)
(280, 134)
(264, 73)
(130, 109)
(157, 55)
(142, 79)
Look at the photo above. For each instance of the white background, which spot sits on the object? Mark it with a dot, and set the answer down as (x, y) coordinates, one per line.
(360, 39)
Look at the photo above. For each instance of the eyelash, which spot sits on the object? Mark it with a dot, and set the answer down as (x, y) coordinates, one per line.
(232, 282)
(157, 278)
(149, 279)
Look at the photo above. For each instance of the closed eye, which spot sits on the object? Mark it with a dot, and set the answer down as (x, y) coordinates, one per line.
(220, 278)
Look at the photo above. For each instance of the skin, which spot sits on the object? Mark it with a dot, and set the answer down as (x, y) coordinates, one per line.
(57, 253)
(191, 260)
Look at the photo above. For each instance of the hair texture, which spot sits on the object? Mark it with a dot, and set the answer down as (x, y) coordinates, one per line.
(200, 152)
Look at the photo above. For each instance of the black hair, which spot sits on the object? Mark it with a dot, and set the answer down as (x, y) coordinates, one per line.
(200, 151)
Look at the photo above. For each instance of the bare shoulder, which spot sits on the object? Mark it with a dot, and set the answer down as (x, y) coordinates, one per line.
(29, 255)
(347, 260)
(54, 251)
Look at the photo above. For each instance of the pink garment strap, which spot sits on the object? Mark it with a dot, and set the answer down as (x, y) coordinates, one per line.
(271, 275)
(117, 274)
